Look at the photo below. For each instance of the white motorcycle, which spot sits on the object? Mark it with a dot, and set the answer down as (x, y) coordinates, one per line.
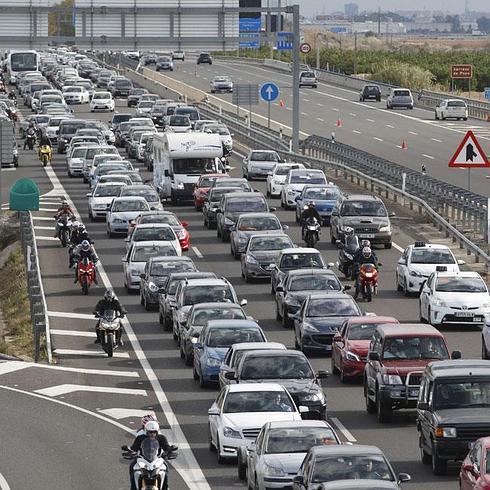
(110, 331)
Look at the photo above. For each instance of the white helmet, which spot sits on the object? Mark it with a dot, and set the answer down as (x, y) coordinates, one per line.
(366, 251)
(152, 426)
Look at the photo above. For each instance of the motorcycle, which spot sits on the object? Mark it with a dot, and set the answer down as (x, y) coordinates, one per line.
(368, 281)
(311, 233)
(30, 140)
(110, 331)
(347, 252)
(151, 468)
(86, 274)
(64, 229)
(45, 154)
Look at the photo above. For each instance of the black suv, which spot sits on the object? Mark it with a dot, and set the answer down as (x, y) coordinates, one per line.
(370, 92)
(121, 87)
(453, 410)
(205, 58)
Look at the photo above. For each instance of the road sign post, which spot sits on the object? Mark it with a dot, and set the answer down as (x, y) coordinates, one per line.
(296, 38)
(269, 92)
(460, 72)
(246, 94)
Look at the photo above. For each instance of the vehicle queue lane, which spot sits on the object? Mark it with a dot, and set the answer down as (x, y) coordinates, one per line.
(190, 404)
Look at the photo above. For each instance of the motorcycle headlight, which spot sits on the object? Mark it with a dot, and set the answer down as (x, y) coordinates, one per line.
(314, 397)
(349, 256)
(212, 362)
(153, 287)
(352, 356)
(232, 433)
(273, 470)
(392, 379)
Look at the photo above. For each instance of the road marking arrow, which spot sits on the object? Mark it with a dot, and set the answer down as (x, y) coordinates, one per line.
(69, 388)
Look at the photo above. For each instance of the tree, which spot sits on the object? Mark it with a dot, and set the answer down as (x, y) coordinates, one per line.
(483, 24)
(60, 22)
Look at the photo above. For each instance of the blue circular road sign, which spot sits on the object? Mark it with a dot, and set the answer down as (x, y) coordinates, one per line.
(269, 92)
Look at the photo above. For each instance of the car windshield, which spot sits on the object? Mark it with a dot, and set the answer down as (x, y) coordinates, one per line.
(298, 439)
(78, 152)
(362, 331)
(226, 337)
(282, 170)
(315, 282)
(179, 121)
(371, 89)
(168, 219)
(264, 156)
(460, 285)
(148, 194)
(258, 401)
(259, 224)
(163, 269)
(201, 316)
(351, 467)
(329, 194)
(206, 181)
(276, 367)
(122, 206)
(145, 103)
(137, 91)
(107, 190)
(208, 294)
(470, 394)
(431, 256)
(299, 261)
(102, 95)
(404, 348)
(243, 184)
(332, 307)
(146, 234)
(193, 166)
(142, 254)
(97, 150)
(217, 194)
(308, 74)
(363, 208)
(246, 205)
(269, 243)
(308, 178)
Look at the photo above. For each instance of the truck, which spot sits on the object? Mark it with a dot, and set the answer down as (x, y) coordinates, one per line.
(180, 158)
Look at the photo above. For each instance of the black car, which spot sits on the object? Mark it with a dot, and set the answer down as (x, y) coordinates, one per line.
(204, 58)
(370, 92)
(121, 87)
(453, 410)
(134, 96)
(211, 203)
(320, 318)
(157, 115)
(118, 119)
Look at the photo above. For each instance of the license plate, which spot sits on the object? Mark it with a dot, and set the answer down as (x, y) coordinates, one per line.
(413, 393)
(477, 319)
(366, 235)
(464, 314)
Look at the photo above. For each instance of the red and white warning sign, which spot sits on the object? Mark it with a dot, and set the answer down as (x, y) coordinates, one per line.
(469, 154)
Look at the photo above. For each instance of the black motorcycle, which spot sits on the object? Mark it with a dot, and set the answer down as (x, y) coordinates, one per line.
(30, 140)
(347, 251)
(311, 232)
(64, 229)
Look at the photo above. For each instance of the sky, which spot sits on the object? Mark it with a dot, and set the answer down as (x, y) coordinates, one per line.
(311, 7)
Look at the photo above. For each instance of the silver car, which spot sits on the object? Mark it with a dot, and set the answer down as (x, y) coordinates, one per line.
(308, 79)
(399, 97)
(221, 84)
(249, 224)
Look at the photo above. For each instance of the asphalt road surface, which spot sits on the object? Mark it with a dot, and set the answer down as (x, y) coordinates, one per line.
(116, 393)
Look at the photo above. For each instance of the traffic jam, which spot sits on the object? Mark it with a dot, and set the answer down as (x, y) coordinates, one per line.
(270, 417)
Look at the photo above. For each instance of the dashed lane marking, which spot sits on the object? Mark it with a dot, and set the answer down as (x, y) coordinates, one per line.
(376, 138)
(352, 114)
(43, 218)
(414, 133)
(47, 238)
(390, 126)
(370, 120)
(435, 139)
(66, 314)
(90, 353)
(198, 252)
(319, 104)
(3, 482)
(65, 389)
(356, 131)
(343, 429)
(320, 119)
(400, 249)
(428, 156)
(43, 227)
(334, 109)
(72, 333)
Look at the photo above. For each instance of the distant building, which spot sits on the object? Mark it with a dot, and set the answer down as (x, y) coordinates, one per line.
(351, 9)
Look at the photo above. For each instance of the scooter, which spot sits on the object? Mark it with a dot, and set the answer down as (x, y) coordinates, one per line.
(86, 274)
(45, 154)
(110, 331)
(347, 251)
(368, 281)
(311, 232)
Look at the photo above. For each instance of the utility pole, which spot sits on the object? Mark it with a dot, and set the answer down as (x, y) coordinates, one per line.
(296, 61)
(355, 53)
(379, 21)
(318, 34)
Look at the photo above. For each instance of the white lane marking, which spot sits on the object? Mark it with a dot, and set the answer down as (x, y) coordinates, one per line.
(343, 429)
(376, 138)
(91, 353)
(320, 119)
(44, 218)
(288, 109)
(400, 249)
(414, 133)
(3, 482)
(398, 146)
(352, 114)
(390, 126)
(7, 367)
(435, 139)
(9, 169)
(186, 464)
(306, 100)
(356, 131)
(304, 113)
(65, 389)
(73, 333)
(334, 109)
(65, 314)
(43, 227)
(428, 156)
(198, 252)
(319, 104)
(48, 210)
(48, 238)
(125, 413)
(370, 120)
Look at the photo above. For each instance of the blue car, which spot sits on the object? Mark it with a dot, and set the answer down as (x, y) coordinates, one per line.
(324, 197)
(215, 340)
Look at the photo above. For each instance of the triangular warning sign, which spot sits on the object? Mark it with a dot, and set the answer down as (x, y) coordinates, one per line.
(469, 153)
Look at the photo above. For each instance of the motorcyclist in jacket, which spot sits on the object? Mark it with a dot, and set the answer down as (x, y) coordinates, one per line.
(358, 256)
(309, 212)
(31, 131)
(78, 236)
(85, 251)
(44, 141)
(64, 209)
(365, 257)
(109, 302)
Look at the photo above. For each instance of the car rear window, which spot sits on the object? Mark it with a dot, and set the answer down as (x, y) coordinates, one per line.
(402, 93)
(456, 103)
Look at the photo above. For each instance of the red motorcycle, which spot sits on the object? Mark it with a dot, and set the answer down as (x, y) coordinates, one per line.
(368, 281)
(86, 274)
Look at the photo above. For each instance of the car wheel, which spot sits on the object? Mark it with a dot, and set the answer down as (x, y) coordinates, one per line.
(218, 232)
(296, 216)
(268, 192)
(436, 117)
(439, 466)
(429, 316)
(202, 382)
(405, 288)
(221, 460)
(194, 372)
(343, 378)
(142, 301)
(278, 314)
(424, 456)
(383, 411)
(90, 215)
(286, 321)
(146, 305)
(421, 317)
(187, 357)
(332, 238)
(388, 245)
(181, 350)
(333, 367)
(397, 283)
(160, 318)
(484, 351)
(242, 466)
(370, 405)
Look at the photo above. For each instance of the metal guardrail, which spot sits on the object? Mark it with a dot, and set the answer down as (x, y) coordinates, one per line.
(39, 309)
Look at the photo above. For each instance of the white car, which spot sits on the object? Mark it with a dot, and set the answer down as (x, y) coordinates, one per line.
(277, 177)
(53, 127)
(76, 95)
(102, 101)
(258, 163)
(178, 55)
(455, 298)
(454, 108)
(135, 260)
(100, 199)
(75, 161)
(178, 124)
(123, 210)
(224, 133)
(240, 410)
(419, 261)
(296, 180)
(157, 232)
(144, 108)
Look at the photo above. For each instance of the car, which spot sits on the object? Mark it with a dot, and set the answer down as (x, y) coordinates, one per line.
(211, 203)
(351, 344)
(106, 167)
(399, 97)
(158, 114)
(261, 251)
(249, 224)
(397, 356)
(475, 469)
(225, 136)
(156, 274)
(297, 285)
(100, 199)
(453, 412)
(121, 87)
(214, 341)
(122, 211)
(52, 127)
(455, 298)
(178, 55)
(198, 317)
(370, 92)
(221, 83)
(308, 79)
(76, 95)
(124, 179)
(233, 205)
(353, 467)
(153, 232)
(276, 455)
(293, 259)
(296, 180)
(324, 197)
(277, 177)
(142, 143)
(134, 96)
(119, 118)
(74, 161)
(201, 188)
(419, 261)
(292, 369)
(145, 191)
(204, 58)
(451, 108)
(134, 175)
(164, 63)
(137, 256)
(243, 184)
(67, 129)
(190, 111)
(258, 163)
(320, 318)
(235, 353)
(102, 101)
(365, 216)
(144, 108)
(178, 124)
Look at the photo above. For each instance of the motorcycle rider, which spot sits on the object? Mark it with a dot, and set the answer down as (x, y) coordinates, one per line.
(64, 209)
(31, 132)
(358, 257)
(44, 141)
(309, 213)
(78, 236)
(144, 420)
(85, 251)
(366, 257)
(109, 302)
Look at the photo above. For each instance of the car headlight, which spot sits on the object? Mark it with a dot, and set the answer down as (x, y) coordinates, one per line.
(439, 302)
(232, 433)
(445, 432)
(308, 327)
(250, 259)
(212, 362)
(229, 222)
(292, 300)
(242, 239)
(384, 229)
(276, 182)
(134, 272)
(415, 274)
(392, 379)
(178, 185)
(273, 470)
(352, 356)
(152, 287)
(485, 305)
(314, 397)
(100, 206)
(182, 316)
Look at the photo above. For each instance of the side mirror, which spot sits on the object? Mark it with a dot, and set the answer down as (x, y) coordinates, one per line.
(461, 262)
(298, 480)
(322, 374)
(272, 266)
(124, 259)
(218, 211)
(285, 227)
(142, 276)
(233, 228)
(214, 411)
(279, 289)
(335, 213)
(126, 239)
(337, 337)
(402, 261)
(423, 406)
(392, 214)
(89, 194)
(166, 173)
(297, 198)
(373, 356)
(243, 302)
(456, 354)
(269, 173)
(230, 375)
(303, 409)
(347, 287)
(403, 477)
(272, 209)
(185, 224)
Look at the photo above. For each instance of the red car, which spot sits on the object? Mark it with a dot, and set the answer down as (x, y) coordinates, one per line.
(351, 344)
(475, 470)
(202, 186)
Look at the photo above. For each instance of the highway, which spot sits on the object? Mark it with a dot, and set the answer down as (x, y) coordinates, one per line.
(114, 388)
(365, 125)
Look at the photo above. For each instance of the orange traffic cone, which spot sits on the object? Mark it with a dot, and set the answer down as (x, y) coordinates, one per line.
(404, 145)
(338, 123)
(281, 103)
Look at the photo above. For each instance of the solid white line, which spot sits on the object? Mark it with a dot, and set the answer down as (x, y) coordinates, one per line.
(319, 104)
(44, 227)
(197, 252)
(390, 126)
(428, 156)
(65, 314)
(71, 388)
(44, 218)
(435, 139)
(3, 482)
(125, 413)
(400, 249)
(48, 210)
(48, 238)
(376, 138)
(73, 333)
(356, 131)
(92, 353)
(413, 132)
(343, 429)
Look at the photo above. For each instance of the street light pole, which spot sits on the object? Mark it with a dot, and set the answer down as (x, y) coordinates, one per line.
(296, 61)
